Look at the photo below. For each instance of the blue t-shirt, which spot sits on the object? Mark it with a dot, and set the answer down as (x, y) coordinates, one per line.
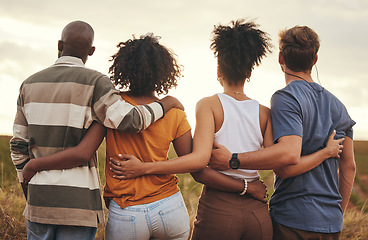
(310, 201)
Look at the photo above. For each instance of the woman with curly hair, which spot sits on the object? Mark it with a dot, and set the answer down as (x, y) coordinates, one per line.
(151, 206)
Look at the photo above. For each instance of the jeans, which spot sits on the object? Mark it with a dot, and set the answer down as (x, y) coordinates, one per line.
(163, 219)
(39, 231)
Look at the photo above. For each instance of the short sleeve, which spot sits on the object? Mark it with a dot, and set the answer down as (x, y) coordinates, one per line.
(183, 124)
(286, 115)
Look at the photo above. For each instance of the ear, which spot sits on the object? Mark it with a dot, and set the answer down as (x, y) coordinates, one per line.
(315, 60)
(91, 51)
(60, 45)
(281, 59)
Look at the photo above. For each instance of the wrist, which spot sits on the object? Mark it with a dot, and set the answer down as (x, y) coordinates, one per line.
(327, 153)
(245, 189)
(149, 168)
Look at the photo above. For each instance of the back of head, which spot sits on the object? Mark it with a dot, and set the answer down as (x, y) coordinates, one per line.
(239, 48)
(77, 39)
(144, 66)
(299, 46)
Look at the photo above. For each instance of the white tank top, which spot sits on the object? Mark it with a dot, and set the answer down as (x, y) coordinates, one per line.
(240, 131)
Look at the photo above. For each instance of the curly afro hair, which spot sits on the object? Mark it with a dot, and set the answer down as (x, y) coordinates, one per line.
(143, 65)
(238, 48)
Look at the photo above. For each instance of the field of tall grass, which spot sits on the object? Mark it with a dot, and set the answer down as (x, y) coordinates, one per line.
(12, 202)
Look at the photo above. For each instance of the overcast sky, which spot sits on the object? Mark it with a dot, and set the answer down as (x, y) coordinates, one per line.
(29, 31)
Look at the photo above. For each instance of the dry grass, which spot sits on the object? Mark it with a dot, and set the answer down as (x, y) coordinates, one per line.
(12, 222)
(12, 202)
(355, 225)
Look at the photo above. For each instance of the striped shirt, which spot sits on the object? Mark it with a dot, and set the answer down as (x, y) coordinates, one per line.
(54, 109)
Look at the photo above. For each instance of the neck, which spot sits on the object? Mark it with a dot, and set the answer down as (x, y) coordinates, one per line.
(235, 91)
(294, 76)
(143, 99)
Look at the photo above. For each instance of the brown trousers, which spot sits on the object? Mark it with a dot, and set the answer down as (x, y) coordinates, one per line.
(229, 216)
(281, 232)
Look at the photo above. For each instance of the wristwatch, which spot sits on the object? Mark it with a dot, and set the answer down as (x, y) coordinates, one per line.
(234, 162)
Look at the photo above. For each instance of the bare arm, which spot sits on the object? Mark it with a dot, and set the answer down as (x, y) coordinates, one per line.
(288, 166)
(69, 158)
(286, 151)
(195, 161)
(219, 181)
(347, 169)
(333, 149)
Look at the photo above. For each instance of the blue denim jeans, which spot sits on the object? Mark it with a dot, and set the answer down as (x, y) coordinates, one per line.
(39, 231)
(164, 219)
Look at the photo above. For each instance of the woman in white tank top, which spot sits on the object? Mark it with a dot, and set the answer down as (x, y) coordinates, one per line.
(240, 124)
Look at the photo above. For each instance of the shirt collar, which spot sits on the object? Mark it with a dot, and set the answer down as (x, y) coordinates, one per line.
(69, 61)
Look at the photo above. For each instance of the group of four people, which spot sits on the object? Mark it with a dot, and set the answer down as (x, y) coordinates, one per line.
(72, 108)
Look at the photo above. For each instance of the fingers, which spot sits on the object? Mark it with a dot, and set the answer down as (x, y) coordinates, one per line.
(332, 134)
(216, 145)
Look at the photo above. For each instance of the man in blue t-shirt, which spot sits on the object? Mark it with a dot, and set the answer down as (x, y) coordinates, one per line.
(309, 205)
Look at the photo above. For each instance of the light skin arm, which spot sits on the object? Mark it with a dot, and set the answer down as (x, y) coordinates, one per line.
(333, 149)
(69, 158)
(347, 170)
(284, 154)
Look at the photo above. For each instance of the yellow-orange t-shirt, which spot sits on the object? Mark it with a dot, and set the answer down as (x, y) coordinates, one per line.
(150, 145)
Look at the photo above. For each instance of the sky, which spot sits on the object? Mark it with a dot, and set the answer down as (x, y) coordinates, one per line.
(29, 31)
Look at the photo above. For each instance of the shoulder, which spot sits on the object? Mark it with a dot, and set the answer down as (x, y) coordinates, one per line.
(175, 113)
(208, 102)
(264, 111)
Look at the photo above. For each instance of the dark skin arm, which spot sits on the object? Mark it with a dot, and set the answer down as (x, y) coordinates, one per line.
(169, 102)
(69, 158)
(193, 162)
(219, 181)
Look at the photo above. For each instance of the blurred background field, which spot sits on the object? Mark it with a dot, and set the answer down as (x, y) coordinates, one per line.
(12, 202)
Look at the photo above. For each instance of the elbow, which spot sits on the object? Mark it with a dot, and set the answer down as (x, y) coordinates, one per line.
(82, 158)
(283, 174)
(291, 158)
(351, 167)
(196, 176)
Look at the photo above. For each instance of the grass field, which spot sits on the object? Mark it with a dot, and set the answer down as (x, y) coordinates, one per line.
(12, 202)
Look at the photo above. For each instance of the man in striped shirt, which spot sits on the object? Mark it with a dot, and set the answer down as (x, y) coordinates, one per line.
(55, 108)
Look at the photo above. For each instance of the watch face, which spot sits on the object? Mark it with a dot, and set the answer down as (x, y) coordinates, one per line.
(234, 163)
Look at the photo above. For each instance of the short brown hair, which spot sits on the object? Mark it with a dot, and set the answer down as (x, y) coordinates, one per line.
(299, 46)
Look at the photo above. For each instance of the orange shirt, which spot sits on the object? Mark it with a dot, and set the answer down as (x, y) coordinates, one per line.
(150, 145)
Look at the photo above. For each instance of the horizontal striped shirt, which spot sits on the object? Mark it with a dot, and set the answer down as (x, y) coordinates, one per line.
(54, 110)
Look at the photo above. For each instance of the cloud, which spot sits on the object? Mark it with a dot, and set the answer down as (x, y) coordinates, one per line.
(29, 31)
